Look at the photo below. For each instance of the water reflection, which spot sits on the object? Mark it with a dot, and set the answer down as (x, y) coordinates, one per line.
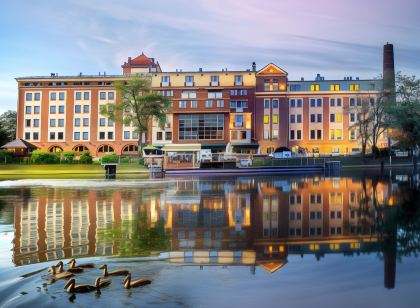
(253, 221)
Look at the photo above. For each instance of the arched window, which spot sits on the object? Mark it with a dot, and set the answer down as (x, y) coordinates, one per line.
(130, 148)
(55, 149)
(80, 148)
(105, 149)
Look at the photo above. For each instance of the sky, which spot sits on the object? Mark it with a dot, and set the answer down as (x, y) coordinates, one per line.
(335, 38)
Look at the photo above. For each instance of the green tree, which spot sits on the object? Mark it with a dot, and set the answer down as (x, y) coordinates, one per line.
(7, 126)
(137, 105)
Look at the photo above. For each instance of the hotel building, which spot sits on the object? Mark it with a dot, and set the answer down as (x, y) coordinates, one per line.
(253, 110)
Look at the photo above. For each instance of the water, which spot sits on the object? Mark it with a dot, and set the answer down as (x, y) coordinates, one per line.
(350, 241)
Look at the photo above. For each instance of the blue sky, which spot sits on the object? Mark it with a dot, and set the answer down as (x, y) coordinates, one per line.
(331, 37)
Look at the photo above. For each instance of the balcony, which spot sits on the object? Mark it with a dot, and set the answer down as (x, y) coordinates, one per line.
(240, 136)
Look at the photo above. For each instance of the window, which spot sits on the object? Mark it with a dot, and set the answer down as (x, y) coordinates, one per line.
(52, 136)
(53, 109)
(85, 136)
(77, 108)
(292, 103)
(201, 126)
(36, 122)
(292, 135)
(188, 94)
(338, 102)
(275, 103)
(182, 104)
(77, 122)
(314, 87)
(193, 104)
(159, 136)
(312, 135)
(266, 103)
(126, 134)
(60, 122)
(85, 122)
(339, 118)
(332, 134)
(52, 122)
(238, 104)
(214, 94)
(312, 118)
(61, 96)
(332, 117)
(101, 121)
(28, 123)
(299, 134)
(37, 96)
(352, 104)
(238, 80)
(354, 87)
(209, 104)
(101, 135)
(35, 136)
(319, 134)
(78, 96)
(110, 135)
(239, 120)
(110, 122)
(28, 97)
(339, 134)
(299, 118)
(319, 102)
(266, 135)
(111, 95)
(53, 96)
(238, 92)
(275, 134)
(76, 136)
(266, 84)
(275, 118)
(86, 96)
(292, 118)
(28, 109)
(61, 109)
(214, 80)
(352, 117)
(189, 81)
(220, 103)
(165, 80)
(60, 136)
(312, 102)
(295, 87)
(168, 135)
(334, 87)
(105, 149)
(352, 135)
(275, 84)
(266, 119)
(102, 95)
(332, 102)
(299, 103)
(27, 136)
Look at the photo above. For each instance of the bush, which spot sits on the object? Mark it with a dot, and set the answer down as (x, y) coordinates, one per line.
(124, 160)
(42, 157)
(85, 158)
(6, 157)
(67, 157)
(110, 158)
(141, 161)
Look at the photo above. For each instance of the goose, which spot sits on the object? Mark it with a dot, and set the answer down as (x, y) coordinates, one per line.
(113, 273)
(61, 275)
(60, 266)
(72, 263)
(71, 287)
(135, 283)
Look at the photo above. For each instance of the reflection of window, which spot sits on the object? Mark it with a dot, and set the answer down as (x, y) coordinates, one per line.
(201, 126)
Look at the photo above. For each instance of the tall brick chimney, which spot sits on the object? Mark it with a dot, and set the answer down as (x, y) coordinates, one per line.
(389, 72)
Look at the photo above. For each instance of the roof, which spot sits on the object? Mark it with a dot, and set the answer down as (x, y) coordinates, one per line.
(142, 60)
(18, 144)
(272, 266)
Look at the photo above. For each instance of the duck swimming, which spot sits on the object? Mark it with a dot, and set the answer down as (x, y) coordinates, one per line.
(135, 283)
(72, 264)
(102, 283)
(113, 273)
(60, 266)
(61, 275)
(71, 287)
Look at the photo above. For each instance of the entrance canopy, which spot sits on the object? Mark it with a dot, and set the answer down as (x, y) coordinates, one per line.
(193, 147)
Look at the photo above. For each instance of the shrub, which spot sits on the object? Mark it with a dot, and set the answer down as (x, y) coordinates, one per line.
(42, 157)
(6, 157)
(85, 158)
(67, 157)
(141, 161)
(124, 160)
(110, 158)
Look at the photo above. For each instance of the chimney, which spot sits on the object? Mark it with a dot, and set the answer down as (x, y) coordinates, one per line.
(254, 67)
(200, 69)
(389, 72)
(129, 60)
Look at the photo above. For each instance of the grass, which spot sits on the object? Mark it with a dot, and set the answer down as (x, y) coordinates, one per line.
(67, 171)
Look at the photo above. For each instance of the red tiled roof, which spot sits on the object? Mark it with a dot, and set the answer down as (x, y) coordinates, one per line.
(142, 60)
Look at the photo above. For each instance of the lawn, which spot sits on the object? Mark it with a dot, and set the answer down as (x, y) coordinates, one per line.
(67, 171)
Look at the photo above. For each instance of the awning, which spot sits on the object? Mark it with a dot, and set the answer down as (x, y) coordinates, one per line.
(246, 146)
(151, 147)
(182, 147)
(213, 146)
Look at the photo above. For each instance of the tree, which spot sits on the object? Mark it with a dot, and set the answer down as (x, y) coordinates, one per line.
(404, 115)
(138, 105)
(7, 126)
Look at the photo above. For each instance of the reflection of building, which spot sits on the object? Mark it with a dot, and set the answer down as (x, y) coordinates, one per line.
(256, 221)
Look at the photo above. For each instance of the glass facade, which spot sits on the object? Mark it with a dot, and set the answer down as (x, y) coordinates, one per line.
(201, 126)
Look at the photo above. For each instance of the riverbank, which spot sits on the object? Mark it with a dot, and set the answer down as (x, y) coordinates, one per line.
(67, 171)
